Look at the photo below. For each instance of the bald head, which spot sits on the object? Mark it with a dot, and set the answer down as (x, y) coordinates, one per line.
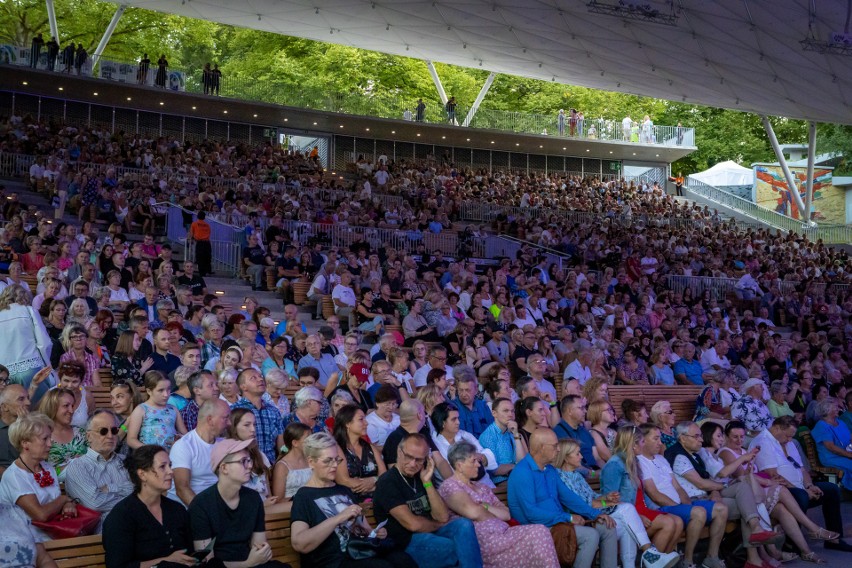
(543, 446)
(410, 410)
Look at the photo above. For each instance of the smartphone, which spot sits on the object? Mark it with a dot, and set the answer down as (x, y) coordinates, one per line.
(204, 552)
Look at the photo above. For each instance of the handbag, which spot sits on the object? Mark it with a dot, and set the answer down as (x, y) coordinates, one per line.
(565, 542)
(362, 548)
(61, 526)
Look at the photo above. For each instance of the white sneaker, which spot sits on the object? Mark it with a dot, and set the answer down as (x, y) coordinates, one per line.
(653, 558)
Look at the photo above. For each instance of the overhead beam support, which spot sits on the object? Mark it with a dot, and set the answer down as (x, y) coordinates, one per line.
(782, 161)
(107, 34)
(811, 160)
(437, 81)
(51, 17)
(482, 92)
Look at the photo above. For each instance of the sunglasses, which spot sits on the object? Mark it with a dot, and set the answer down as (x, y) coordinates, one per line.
(105, 431)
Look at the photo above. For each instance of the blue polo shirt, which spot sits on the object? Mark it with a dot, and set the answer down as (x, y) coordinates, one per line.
(501, 444)
(692, 371)
(476, 420)
(538, 496)
(583, 437)
(325, 365)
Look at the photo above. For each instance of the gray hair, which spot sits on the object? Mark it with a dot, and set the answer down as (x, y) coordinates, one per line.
(226, 374)
(306, 394)
(777, 386)
(682, 428)
(165, 305)
(313, 445)
(342, 395)
(210, 321)
(195, 378)
(459, 452)
(182, 375)
(99, 412)
(277, 377)
(464, 374)
(824, 406)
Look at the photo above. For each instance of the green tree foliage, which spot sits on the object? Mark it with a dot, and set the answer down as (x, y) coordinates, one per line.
(288, 69)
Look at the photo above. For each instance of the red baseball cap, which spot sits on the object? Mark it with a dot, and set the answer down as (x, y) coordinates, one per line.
(361, 372)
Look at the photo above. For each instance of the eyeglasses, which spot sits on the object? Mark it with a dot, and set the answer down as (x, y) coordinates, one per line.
(328, 462)
(5, 381)
(105, 431)
(669, 412)
(410, 458)
(246, 462)
(439, 358)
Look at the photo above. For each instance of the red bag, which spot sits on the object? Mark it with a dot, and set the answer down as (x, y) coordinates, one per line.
(61, 526)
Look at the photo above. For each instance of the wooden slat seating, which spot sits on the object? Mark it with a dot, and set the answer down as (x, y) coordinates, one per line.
(809, 445)
(681, 397)
(31, 280)
(300, 292)
(327, 307)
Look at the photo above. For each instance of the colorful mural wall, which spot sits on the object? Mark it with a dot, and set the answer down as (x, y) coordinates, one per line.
(828, 204)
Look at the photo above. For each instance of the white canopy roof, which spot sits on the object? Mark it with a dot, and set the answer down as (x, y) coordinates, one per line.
(725, 174)
(738, 54)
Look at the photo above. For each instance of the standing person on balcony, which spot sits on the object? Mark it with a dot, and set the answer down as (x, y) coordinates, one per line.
(52, 53)
(560, 122)
(162, 71)
(35, 50)
(451, 110)
(68, 57)
(142, 73)
(205, 78)
(215, 79)
(199, 232)
(419, 110)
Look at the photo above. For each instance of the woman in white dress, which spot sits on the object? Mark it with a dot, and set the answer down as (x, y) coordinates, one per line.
(291, 471)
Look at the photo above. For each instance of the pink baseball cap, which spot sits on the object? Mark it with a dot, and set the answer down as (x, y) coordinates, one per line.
(361, 372)
(223, 448)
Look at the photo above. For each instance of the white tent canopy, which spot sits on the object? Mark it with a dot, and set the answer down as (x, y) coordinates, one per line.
(725, 174)
(738, 54)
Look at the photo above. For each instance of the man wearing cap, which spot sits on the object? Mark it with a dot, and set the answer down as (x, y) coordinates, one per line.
(497, 346)
(191, 454)
(231, 513)
(751, 409)
(269, 429)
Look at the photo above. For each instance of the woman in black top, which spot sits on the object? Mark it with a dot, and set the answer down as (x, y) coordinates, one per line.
(364, 463)
(162, 67)
(147, 528)
(325, 517)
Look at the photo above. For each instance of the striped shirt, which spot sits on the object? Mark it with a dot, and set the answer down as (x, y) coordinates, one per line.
(98, 483)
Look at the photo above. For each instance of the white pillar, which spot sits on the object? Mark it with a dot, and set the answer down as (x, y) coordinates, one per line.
(51, 17)
(482, 92)
(107, 34)
(782, 161)
(811, 159)
(437, 81)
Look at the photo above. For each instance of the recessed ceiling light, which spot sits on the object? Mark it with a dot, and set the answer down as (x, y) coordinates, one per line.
(468, 139)
(255, 116)
(341, 126)
(315, 124)
(61, 88)
(634, 153)
(224, 111)
(95, 93)
(541, 146)
(517, 144)
(587, 150)
(162, 103)
(610, 151)
(492, 141)
(193, 108)
(24, 83)
(285, 120)
(658, 155)
(418, 134)
(367, 129)
(128, 98)
(443, 137)
(393, 131)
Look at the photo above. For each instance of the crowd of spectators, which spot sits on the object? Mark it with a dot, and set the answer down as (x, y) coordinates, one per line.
(456, 396)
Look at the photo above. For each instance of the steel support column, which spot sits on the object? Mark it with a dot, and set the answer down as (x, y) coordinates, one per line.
(437, 81)
(811, 159)
(782, 161)
(482, 92)
(99, 51)
(51, 17)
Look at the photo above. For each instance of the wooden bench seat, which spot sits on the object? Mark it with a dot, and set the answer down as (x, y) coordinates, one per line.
(682, 397)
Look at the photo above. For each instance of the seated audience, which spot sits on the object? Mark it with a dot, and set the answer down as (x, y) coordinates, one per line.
(501, 545)
(417, 517)
(269, 427)
(474, 415)
(18, 545)
(146, 528)
(98, 479)
(71, 376)
(573, 411)
(750, 408)
(538, 496)
(412, 420)
(363, 464)
(663, 417)
(833, 440)
(14, 402)
(325, 517)
(384, 420)
(291, 471)
(31, 482)
(155, 422)
(503, 439)
(66, 441)
(202, 387)
(307, 403)
(191, 454)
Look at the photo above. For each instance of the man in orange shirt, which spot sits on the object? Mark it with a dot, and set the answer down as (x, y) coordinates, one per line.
(199, 232)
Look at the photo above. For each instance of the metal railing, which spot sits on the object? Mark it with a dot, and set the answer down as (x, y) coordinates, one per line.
(828, 233)
(387, 105)
(503, 245)
(719, 287)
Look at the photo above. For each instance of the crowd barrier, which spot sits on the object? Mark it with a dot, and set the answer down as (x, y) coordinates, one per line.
(721, 287)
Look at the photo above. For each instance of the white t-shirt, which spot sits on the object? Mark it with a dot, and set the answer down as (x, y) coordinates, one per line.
(682, 466)
(710, 358)
(444, 446)
(193, 453)
(378, 430)
(17, 482)
(420, 375)
(577, 371)
(771, 455)
(660, 472)
(345, 295)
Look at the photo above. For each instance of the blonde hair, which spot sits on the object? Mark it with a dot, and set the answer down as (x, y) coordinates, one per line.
(565, 447)
(429, 396)
(590, 389)
(594, 413)
(27, 427)
(624, 447)
(49, 404)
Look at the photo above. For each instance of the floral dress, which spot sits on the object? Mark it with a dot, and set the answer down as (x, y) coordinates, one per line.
(158, 426)
(527, 546)
(125, 370)
(60, 455)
